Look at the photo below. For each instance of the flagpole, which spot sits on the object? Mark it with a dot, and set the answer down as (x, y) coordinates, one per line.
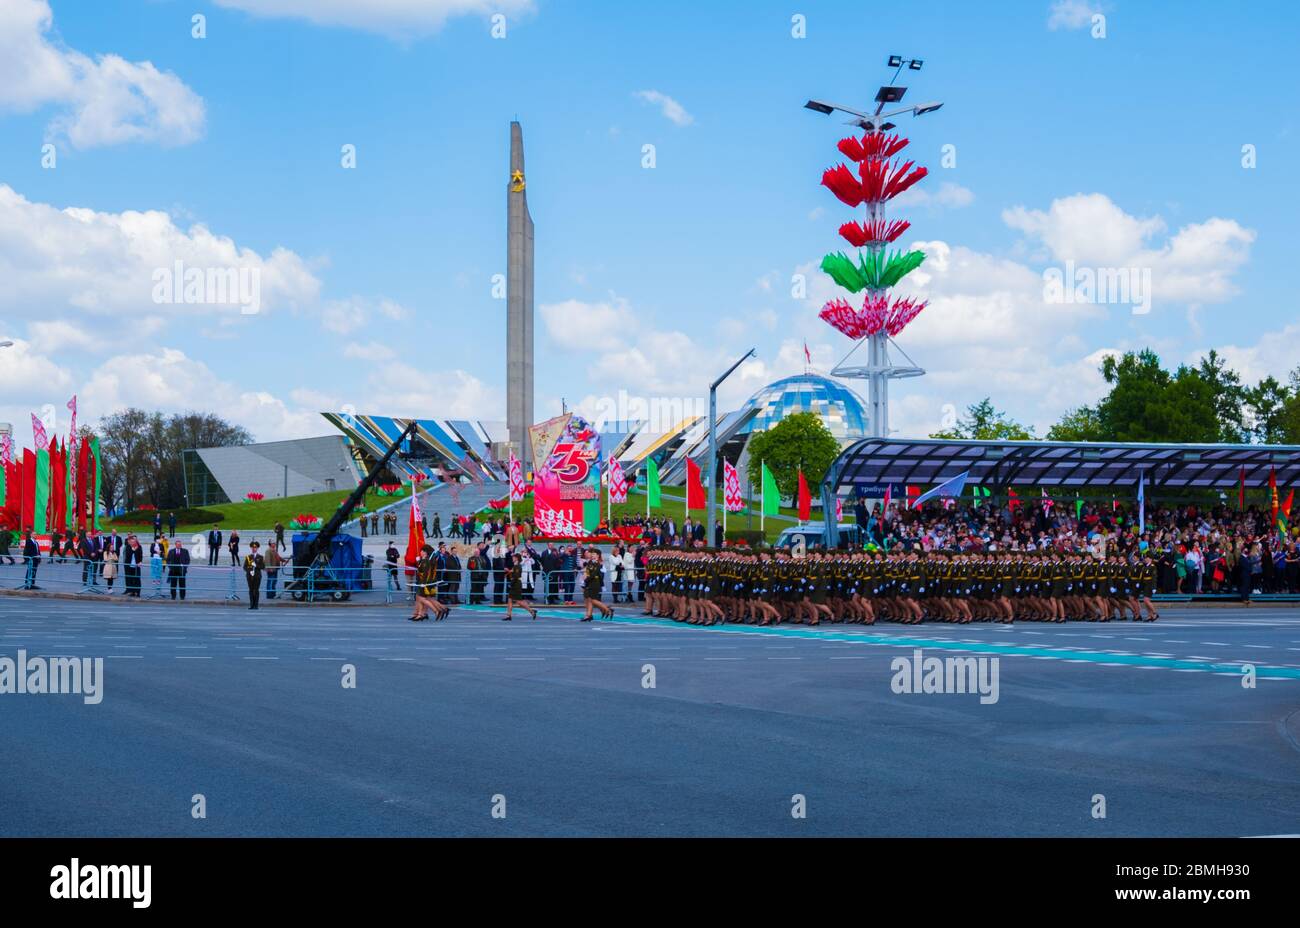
(1142, 502)
(762, 500)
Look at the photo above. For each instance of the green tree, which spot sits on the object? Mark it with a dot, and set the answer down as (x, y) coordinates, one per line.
(798, 441)
(1148, 403)
(1228, 397)
(984, 423)
(141, 454)
(1268, 404)
(1079, 424)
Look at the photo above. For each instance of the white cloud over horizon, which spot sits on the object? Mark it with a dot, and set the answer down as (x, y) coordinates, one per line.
(671, 110)
(105, 100)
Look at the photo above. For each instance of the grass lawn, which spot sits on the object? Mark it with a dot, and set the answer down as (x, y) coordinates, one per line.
(263, 514)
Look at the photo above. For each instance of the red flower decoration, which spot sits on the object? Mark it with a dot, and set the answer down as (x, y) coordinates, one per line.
(872, 145)
(875, 316)
(875, 231)
(841, 182)
(883, 180)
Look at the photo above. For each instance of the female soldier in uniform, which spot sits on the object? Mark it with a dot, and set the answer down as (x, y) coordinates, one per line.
(515, 591)
(425, 588)
(592, 580)
(1146, 584)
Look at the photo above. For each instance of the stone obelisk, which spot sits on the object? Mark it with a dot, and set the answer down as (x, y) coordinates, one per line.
(519, 303)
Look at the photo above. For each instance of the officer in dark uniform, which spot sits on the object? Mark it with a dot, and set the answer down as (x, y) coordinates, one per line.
(254, 566)
(32, 558)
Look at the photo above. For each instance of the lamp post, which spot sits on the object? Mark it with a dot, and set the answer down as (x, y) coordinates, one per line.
(711, 509)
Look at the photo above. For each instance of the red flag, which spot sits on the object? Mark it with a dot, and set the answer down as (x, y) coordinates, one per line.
(806, 356)
(83, 481)
(54, 512)
(1272, 489)
(889, 496)
(805, 500)
(27, 513)
(1013, 500)
(414, 531)
(1241, 488)
(694, 486)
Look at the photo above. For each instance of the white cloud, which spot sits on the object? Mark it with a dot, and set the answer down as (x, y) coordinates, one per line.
(1274, 354)
(1071, 14)
(397, 19)
(55, 335)
(574, 324)
(106, 101)
(26, 375)
(104, 263)
(371, 351)
(353, 313)
(1194, 266)
(169, 381)
(402, 390)
(673, 111)
(947, 196)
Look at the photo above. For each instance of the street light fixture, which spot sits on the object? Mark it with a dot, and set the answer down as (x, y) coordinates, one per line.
(878, 121)
(711, 509)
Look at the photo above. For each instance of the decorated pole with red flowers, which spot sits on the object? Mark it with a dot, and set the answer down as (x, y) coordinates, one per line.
(879, 174)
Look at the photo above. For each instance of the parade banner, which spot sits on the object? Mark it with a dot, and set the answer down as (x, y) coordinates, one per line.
(566, 484)
(6, 455)
(617, 482)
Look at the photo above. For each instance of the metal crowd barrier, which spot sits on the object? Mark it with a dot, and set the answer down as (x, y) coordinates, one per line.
(377, 584)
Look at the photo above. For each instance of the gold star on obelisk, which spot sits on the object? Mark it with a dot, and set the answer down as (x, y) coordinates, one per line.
(517, 179)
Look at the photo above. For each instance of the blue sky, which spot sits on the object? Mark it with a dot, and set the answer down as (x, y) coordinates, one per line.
(1122, 151)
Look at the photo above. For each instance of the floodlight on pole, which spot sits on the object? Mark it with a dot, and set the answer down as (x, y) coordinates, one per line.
(711, 507)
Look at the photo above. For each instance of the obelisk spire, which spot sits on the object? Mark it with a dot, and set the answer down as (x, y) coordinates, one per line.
(519, 302)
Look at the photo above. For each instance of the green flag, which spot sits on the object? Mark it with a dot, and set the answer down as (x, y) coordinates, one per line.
(42, 491)
(1078, 506)
(652, 483)
(94, 502)
(771, 495)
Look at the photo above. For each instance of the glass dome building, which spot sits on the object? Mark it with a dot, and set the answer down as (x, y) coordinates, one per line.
(843, 411)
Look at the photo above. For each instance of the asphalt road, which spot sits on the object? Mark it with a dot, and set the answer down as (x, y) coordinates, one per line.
(249, 711)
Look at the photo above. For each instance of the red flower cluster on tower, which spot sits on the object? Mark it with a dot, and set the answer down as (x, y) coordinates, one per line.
(878, 178)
